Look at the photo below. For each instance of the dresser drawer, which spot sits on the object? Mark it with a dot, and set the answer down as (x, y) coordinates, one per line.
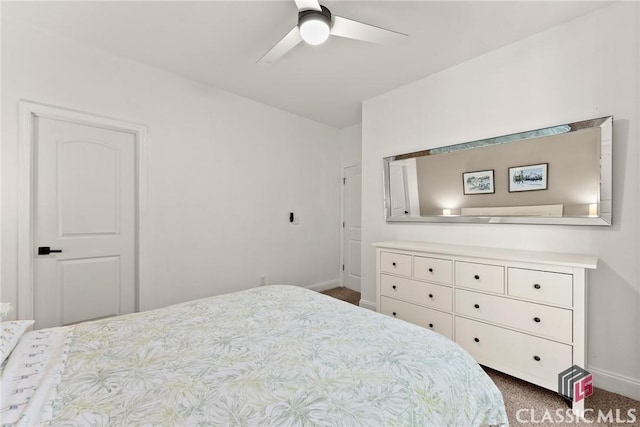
(433, 269)
(484, 277)
(395, 263)
(550, 322)
(428, 294)
(431, 319)
(535, 359)
(542, 286)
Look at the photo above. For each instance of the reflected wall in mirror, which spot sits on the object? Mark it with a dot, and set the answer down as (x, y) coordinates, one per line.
(555, 175)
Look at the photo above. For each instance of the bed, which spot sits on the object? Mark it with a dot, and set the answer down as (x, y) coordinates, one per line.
(269, 356)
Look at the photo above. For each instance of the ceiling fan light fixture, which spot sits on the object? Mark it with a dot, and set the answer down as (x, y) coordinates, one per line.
(314, 25)
(314, 31)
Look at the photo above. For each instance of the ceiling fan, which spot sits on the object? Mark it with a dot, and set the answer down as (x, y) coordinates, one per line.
(316, 23)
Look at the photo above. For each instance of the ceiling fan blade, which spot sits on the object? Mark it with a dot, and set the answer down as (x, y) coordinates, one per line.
(351, 29)
(287, 43)
(308, 5)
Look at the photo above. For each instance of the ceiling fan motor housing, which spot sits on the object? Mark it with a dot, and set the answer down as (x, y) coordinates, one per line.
(310, 14)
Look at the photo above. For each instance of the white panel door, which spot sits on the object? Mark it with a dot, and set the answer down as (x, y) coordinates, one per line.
(352, 228)
(85, 207)
(398, 190)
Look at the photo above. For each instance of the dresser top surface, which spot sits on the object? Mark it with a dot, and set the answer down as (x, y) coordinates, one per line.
(541, 257)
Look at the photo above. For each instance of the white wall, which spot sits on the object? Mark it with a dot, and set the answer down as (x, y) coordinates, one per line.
(586, 68)
(351, 145)
(224, 171)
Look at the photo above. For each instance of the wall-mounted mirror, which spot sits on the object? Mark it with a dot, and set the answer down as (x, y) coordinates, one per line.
(555, 175)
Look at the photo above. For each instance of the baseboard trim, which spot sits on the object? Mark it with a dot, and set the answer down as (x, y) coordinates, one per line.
(368, 305)
(615, 383)
(324, 286)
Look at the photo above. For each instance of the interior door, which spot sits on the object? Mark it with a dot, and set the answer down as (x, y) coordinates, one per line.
(85, 222)
(352, 228)
(398, 190)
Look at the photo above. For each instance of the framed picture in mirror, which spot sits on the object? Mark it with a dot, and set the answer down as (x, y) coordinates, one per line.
(480, 182)
(528, 178)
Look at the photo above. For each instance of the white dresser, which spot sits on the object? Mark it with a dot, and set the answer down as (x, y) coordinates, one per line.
(519, 312)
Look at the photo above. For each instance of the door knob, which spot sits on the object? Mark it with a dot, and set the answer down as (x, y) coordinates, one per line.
(46, 250)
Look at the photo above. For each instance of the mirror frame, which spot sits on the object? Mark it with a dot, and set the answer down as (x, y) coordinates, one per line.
(603, 218)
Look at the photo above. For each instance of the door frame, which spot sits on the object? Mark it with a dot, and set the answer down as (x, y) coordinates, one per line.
(27, 112)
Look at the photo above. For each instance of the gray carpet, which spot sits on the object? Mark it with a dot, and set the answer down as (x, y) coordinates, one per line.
(528, 404)
(344, 294)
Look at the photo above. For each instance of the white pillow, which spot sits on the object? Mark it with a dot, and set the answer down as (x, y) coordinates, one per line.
(11, 333)
(5, 308)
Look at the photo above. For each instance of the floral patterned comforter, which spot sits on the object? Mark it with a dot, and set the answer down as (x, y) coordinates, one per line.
(269, 356)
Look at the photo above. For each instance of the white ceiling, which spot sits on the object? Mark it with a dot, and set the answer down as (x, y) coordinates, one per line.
(219, 42)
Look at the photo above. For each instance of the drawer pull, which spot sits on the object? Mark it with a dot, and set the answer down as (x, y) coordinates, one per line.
(476, 339)
(431, 325)
(537, 286)
(536, 319)
(393, 263)
(394, 314)
(476, 305)
(431, 296)
(431, 270)
(394, 286)
(536, 358)
(476, 277)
